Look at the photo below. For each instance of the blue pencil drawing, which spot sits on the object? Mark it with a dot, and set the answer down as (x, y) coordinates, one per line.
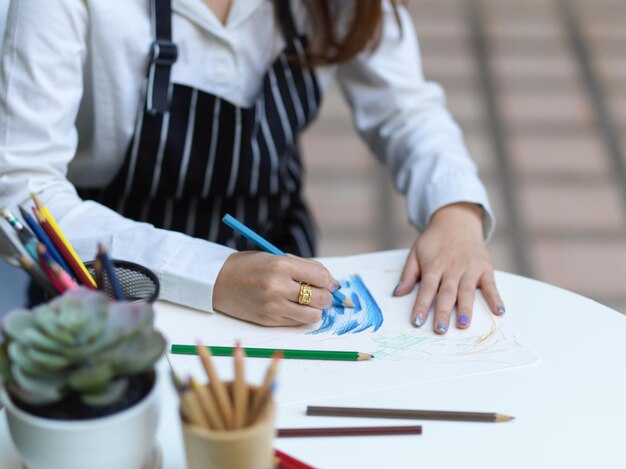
(366, 313)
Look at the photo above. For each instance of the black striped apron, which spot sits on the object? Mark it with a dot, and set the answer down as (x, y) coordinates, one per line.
(195, 157)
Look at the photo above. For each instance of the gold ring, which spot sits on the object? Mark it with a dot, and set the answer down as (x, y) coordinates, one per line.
(306, 293)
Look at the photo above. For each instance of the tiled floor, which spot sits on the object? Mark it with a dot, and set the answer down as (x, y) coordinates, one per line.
(539, 87)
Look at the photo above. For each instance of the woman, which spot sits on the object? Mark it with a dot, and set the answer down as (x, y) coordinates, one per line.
(165, 117)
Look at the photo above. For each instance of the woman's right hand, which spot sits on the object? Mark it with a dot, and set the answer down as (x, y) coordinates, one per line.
(264, 289)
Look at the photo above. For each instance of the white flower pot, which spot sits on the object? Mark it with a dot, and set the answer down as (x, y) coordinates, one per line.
(124, 440)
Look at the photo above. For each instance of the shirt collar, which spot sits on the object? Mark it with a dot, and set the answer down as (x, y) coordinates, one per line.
(199, 13)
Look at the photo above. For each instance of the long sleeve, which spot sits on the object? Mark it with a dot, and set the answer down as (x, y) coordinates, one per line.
(404, 121)
(41, 88)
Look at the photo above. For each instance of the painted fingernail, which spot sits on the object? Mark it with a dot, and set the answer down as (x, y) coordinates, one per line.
(395, 290)
(463, 320)
(418, 321)
(441, 327)
(334, 286)
(501, 309)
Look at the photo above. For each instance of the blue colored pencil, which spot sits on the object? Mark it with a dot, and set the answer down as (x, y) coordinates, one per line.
(110, 270)
(44, 239)
(264, 244)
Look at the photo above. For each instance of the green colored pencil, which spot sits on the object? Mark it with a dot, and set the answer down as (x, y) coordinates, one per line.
(268, 353)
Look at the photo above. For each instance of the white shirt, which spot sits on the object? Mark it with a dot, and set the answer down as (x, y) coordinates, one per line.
(70, 82)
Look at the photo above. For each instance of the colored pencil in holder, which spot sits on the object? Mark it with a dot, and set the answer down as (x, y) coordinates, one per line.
(37, 274)
(217, 387)
(261, 397)
(264, 244)
(110, 272)
(62, 248)
(26, 237)
(44, 239)
(240, 389)
(44, 261)
(68, 247)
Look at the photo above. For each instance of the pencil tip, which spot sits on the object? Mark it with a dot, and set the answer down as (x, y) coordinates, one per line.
(347, 303)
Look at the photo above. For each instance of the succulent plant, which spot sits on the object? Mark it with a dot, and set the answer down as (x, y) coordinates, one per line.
(80, 342)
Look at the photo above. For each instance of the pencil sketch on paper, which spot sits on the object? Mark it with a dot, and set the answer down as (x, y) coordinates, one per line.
(366, 313)
(491, 345)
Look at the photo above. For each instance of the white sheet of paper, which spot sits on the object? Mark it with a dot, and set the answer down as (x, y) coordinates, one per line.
(404, 355)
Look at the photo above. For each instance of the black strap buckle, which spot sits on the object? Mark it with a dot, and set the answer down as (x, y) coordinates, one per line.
(163, 52)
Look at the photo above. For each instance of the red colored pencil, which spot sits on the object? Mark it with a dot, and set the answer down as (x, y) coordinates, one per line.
(69, 259)
(289, 462)
(350, 431)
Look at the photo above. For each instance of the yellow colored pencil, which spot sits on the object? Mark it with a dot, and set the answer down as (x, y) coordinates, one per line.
(217, 386)
(55, 226)
(240, 389)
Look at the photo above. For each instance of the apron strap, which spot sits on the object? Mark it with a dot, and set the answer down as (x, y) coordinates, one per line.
(163, 54)
(285, 16)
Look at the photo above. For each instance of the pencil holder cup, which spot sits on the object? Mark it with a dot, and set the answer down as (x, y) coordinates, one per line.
(139, 284)
(246, 448)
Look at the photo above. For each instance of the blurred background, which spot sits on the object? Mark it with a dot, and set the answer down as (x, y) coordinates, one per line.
(539, 87)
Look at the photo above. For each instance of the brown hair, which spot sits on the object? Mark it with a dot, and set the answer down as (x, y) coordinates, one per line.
(363, 31)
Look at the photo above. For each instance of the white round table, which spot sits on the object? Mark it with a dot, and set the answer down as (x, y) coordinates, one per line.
(570, 409)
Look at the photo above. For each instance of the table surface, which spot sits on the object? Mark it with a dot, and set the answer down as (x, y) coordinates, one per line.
(570, 409)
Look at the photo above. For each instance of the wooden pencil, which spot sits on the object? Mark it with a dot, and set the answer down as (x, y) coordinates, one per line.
(192, 409)
(68, 247)
(44, 239)
(240, 389)
(217, 386)
(208, 405)
(64, 278)
(261, 396)
(109, 268)
(26, 237)
(286, 461)
(350, 431)
(40, 278)
(62, 248)
(44, 262)
(256, 352)
(407, 414)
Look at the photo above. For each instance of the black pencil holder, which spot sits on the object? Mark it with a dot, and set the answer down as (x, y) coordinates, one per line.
(139, 284)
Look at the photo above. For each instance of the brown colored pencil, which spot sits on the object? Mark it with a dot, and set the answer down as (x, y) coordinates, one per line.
(61, 247)
(208, 404)
(350, 431)
(407, 414)
(217, 386)
(240, 389)
(263, 393)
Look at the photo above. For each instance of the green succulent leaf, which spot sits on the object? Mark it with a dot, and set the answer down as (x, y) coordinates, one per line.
(46, 360)
(16, 323)
(17, 355)
(36, 384)
(46, 396)
(108, 395)
(47, 321)
(35, 338)
(143, 358)
(91, 379)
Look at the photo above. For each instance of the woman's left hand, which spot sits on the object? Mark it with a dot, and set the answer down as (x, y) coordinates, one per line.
(450, 260)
